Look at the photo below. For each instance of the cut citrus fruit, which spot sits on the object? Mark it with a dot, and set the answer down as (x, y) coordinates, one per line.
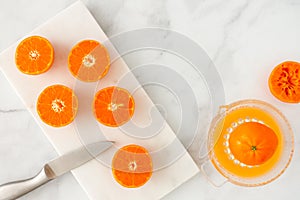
(284, 82)
(57, 105)
(34, 55)
(253, 143)
(132, 166)
(89, 61)
(113, 106)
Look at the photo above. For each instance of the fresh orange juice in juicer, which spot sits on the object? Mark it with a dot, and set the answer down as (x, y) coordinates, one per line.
(250, 143)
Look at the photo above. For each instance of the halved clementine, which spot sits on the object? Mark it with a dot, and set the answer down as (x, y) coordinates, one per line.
(284, 82)
(57, 105)
(89, 61)
(113, 106)
(253, 143)
(132, 166)
(34, 55)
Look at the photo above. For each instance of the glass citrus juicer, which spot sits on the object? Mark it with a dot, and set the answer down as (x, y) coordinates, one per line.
(250, 143)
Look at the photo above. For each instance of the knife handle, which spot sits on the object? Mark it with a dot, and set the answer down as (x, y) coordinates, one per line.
(13, 190)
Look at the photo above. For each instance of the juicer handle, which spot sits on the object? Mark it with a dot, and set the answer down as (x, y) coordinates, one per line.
(214, 174)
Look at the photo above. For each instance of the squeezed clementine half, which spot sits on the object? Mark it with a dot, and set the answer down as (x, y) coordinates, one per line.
(57, 105)
(34, 55)
(113, 106)
(132, 166)
(284, 82)
(89, 61)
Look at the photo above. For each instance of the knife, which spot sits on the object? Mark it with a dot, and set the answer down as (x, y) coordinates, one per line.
(53, 169)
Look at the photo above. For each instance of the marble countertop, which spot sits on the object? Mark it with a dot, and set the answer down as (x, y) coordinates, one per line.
(245, 39)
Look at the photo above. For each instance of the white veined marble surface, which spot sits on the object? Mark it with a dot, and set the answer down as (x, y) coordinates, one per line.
(245, 39)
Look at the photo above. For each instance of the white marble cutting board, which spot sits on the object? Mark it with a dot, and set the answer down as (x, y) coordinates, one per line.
(63, 31)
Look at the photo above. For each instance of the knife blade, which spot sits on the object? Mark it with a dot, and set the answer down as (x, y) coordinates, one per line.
(54, 169)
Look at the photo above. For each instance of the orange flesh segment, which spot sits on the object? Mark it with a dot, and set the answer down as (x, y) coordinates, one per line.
(132, 166)
(88, 61)
(57, 105)
(113, 106)
(34, 55)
